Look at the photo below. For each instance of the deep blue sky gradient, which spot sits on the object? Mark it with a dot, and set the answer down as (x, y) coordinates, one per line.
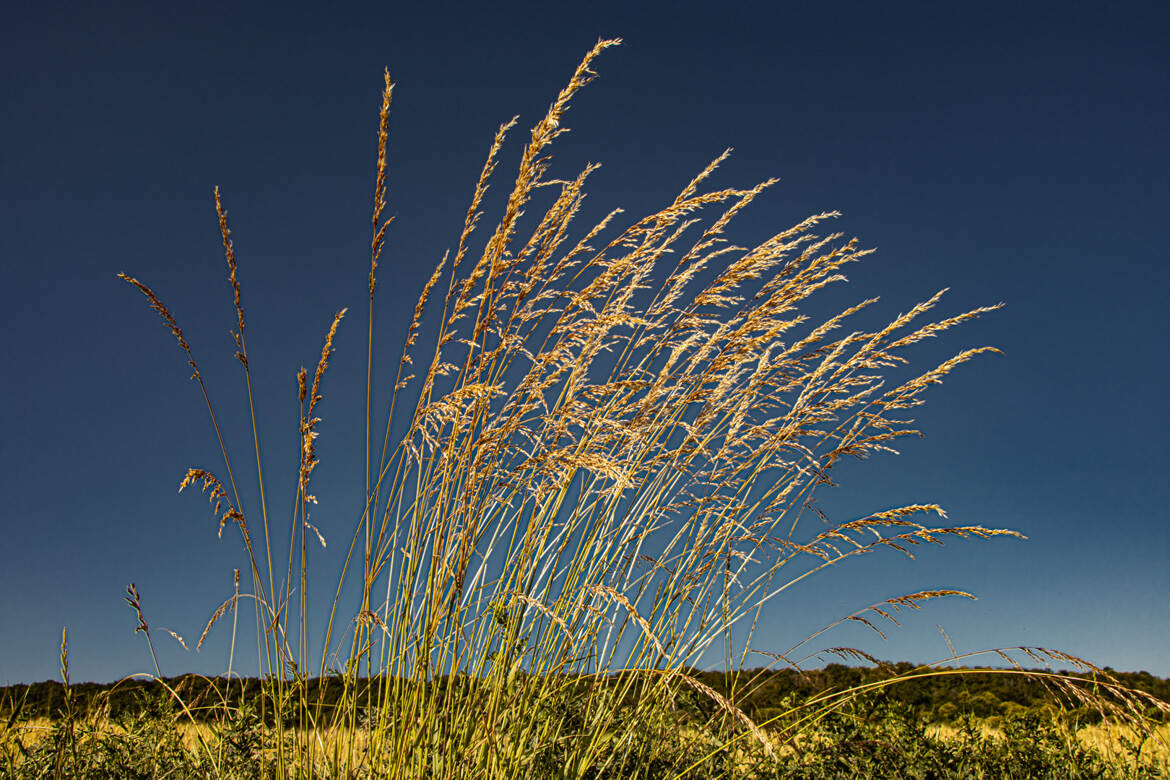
(1013, 152)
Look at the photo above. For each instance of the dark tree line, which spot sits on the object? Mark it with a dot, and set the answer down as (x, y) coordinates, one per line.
(979, 692)
(760, 693)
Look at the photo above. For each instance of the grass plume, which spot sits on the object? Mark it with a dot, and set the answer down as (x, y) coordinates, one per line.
(599, 485)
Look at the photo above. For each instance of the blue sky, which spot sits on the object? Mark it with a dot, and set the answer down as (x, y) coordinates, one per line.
(1013, 154)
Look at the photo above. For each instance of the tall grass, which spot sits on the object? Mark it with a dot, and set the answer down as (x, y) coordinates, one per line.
(589, 483)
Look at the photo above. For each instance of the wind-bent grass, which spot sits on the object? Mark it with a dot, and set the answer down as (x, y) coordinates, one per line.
(603, 465)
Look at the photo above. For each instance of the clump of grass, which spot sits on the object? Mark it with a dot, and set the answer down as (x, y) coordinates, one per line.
(604, 460)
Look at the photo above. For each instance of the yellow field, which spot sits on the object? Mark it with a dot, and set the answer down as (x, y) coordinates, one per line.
(1111, 741)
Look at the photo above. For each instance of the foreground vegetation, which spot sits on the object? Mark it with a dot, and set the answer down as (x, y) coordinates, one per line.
(597, 482)
(135, 729)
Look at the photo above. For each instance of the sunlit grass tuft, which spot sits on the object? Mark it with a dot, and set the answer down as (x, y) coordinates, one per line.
(607, 448)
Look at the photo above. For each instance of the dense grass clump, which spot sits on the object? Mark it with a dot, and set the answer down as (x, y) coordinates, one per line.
(590, 483)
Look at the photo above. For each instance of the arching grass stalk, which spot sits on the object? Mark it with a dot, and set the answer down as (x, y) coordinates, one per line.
(590, 484)
(1097, 688)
